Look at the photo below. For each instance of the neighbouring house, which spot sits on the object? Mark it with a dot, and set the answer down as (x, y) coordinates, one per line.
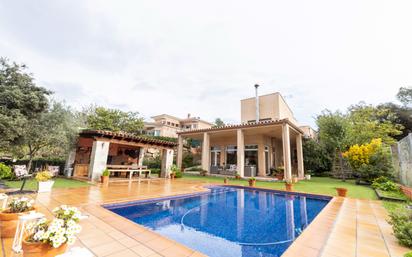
(267, 137)
(98, 149)
(309, 132)
(165, 125)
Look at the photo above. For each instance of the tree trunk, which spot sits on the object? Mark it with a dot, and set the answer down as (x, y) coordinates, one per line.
(30, 162)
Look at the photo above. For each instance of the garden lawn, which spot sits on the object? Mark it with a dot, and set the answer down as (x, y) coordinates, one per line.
(317, 185)
(31, 184)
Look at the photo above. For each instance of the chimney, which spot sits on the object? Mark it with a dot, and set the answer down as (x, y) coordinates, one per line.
(188, 115)
(257, 103)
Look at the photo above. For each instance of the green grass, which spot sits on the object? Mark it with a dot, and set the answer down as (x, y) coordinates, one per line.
(317, 185)
(31, 184)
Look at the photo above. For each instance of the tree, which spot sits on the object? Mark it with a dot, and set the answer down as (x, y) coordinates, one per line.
(20, 101)
(113, 120)
(403, 116)
(405, 95)
(219, 122)
(367, 122)
(316, 159)
(50, 134)
(333, 127)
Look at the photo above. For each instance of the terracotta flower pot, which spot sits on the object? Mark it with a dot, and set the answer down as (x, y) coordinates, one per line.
(8, 223)
(172, 176)
(104, 180)
(279, 176)
(289, 187)
(225, 180)
(237, 177)
(252, 183)
(341, 191)
(295, 179)
(41, 249)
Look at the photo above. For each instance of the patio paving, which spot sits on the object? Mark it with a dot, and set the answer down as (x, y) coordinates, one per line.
(346, 227)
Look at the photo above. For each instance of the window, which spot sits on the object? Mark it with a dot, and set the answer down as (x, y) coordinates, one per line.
(168, 123)
(156, 133)
(231, 155)
(267, 163)
(194, 126)
(251, 155)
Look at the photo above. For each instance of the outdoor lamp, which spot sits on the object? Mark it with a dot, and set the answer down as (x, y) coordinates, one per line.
(32, 216)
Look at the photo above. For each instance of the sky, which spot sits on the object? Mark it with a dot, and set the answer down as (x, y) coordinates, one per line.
(202, 57)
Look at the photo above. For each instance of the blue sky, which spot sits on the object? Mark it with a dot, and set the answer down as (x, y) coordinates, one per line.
(202, 57)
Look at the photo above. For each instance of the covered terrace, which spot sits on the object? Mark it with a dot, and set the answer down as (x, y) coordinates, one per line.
(250, 149)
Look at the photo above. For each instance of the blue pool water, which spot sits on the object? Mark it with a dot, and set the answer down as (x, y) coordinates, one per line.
(228, 221)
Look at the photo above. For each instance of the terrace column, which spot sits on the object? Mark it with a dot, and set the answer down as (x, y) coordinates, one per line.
(240, 153)
(98, 159)
(206, 152)
(142, 152)
(261, 160)
(167, 162)
(179, 157)
(286, 151)
(299, 150)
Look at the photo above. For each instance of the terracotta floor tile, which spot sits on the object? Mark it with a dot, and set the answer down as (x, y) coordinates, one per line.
(108, 248)
(142, 250)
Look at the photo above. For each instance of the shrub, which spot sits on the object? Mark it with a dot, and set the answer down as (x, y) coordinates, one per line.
(5, 171)
(384, 184)
(402, 227)
(178, 174)
(43, 176)
(408, 254)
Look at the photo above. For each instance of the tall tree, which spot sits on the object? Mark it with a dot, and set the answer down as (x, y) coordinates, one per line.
(405, 95)
(113, 120)
(333, 128)
(403, 116)
(219, 122)
(20, 100)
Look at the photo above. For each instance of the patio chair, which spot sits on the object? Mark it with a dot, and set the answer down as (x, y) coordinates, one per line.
(54, 170)
(21, 173)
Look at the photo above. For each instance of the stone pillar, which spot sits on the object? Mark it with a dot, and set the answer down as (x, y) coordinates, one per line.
(142, 152)
(261, 160)
(299, 151)
(240, 153)
(206, 152)
(286, 151)
(222, 155)
(179, 157)
(98, 159)
(69, 165)
(167, 162)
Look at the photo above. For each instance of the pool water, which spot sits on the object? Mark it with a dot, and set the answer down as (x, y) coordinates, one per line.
(228, 221)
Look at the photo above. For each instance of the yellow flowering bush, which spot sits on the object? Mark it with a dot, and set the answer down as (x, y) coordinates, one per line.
(370, 160)
(43, 176)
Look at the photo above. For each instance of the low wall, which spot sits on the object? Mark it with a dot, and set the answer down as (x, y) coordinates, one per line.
(407, 191)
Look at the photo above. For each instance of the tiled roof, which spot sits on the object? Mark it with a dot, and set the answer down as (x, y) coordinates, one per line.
(127, 136)
(244, 125)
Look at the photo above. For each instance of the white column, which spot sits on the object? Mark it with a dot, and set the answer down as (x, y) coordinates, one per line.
(141, 156)
(299, 150)
(98, 159)
(286, 151)
(167, 162)
(69, 167)
(240, 153)
(206, 152)
(179, 157)
(261, 159)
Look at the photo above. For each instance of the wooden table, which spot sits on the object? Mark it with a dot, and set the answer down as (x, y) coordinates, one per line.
(129, 169)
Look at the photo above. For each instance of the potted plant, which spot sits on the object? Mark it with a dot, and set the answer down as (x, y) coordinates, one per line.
(342, 191)
(226, 180)
(9, 217)
(50, 238)
(280, 173)
(294, 179)
(44, 181)
(237, 176)
(252, 182)
(289, 185)
(104, 178)
(174, 171)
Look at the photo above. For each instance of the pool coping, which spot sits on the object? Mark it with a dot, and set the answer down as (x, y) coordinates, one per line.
(289, 252)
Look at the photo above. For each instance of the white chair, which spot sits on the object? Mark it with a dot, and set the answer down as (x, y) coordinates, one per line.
(54, 170)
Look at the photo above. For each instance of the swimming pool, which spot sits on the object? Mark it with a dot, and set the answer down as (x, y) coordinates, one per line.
(228, 221)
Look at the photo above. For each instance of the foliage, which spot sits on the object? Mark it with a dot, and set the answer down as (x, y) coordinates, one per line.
(405, 95)
(174, 168)
(178, 174)
(5, 171)
(102, 118)
(60, 230)
(219, 122)
(402, 227)
(106, 172)
(20, 101)
(252, 179)
(188, 160)
(153, 163)
(168, 139)
(333, 127)
(66, 213)
(17, 205)
(43, 176)
(408, 254)
(384, 184)
(316, 158)
(370, 160)
(368, 122)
